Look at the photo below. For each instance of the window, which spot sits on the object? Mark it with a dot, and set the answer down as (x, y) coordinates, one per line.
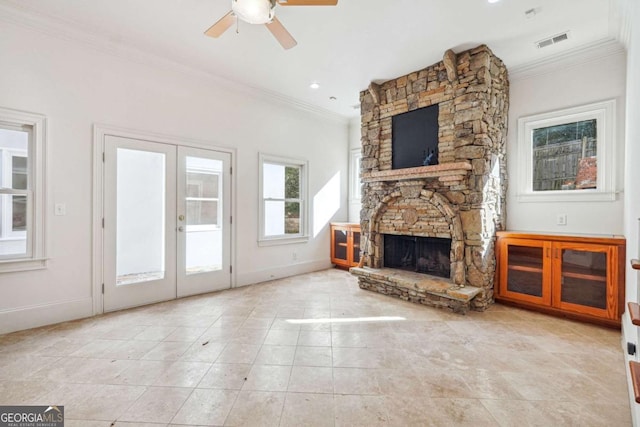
(283, 204)
(203, 194)
(21, 190)
(355, 184)
(568, 154)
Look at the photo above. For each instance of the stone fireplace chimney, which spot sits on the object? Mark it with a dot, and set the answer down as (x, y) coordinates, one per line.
(462, 198)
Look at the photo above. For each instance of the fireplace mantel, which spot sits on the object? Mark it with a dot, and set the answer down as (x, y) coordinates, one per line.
(436, 171)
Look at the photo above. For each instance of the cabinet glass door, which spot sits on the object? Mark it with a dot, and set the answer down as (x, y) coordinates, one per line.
(583, 272)
(523, 274)
(340, 243)
(356, 247)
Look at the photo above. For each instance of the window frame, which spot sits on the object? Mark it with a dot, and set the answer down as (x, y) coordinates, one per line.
(355, 183)
(36, 124)
(216, 226)
(282, 239)
(604, 113)
(6, 157)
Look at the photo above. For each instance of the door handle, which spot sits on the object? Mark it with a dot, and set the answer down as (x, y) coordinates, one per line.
(181, 228)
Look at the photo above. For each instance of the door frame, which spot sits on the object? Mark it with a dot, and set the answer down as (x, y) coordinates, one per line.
(97, 234)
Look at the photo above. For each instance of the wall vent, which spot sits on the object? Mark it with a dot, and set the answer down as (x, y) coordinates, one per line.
(552, 40)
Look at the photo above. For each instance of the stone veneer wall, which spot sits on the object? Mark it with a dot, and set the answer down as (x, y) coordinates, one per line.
(468, 206)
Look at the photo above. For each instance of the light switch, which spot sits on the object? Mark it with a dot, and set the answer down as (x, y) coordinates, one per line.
(61, 209)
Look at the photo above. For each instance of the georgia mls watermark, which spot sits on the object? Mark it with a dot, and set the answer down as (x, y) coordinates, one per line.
(31, 416)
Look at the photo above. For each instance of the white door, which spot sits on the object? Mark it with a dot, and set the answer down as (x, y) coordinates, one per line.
(204, 185)
(166, 222)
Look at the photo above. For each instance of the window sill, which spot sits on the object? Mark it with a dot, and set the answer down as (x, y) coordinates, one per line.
(15, 265)
(567, 196)
(275, 241)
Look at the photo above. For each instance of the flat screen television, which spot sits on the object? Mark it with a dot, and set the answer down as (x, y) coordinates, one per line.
(414, 138)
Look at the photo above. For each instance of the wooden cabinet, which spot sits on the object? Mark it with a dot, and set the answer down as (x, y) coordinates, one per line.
(576, 276)
(345, 244)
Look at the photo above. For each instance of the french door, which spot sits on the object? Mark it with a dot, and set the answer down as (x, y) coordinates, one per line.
(167, 227)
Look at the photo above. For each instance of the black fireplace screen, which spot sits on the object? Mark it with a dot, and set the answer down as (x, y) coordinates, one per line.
(428, 255)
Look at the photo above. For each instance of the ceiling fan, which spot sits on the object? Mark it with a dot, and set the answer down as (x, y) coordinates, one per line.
(262, 12)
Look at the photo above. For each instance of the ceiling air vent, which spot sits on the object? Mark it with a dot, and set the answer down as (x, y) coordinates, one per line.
(552, 40)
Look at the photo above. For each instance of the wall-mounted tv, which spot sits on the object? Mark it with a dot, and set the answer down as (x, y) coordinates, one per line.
(414, 138)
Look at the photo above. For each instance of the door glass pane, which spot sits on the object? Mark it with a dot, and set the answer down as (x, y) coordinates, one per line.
(524, 273)
(584, 278)
(204, 211)
(140, 216)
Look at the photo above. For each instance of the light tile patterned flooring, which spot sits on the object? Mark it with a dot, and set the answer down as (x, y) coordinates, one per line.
(234, 358)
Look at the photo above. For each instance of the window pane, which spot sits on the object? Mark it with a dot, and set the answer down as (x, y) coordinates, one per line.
(273, 218)
(292, 182)
(19, 173)
(292, 217)
(565, 156)
(19, 213)
(202, 212)
(202, 185)
(13, 158)
(13, 224)
(273, 181)
(140, 217)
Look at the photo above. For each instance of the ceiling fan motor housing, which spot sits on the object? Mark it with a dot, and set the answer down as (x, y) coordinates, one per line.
(254, 11)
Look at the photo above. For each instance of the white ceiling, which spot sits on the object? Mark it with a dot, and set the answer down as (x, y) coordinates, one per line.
(343, 48)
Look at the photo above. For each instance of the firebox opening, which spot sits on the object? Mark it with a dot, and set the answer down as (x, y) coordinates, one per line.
(428, 255)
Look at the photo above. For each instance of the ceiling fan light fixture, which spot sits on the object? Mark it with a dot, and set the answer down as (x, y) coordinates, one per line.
(253, 11)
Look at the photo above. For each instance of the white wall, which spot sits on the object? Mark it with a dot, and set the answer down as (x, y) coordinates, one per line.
(354, 143)
(76, 86)
(554, 87)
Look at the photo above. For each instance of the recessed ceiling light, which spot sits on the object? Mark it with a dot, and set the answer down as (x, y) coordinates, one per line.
(493, 1)
(314, 85)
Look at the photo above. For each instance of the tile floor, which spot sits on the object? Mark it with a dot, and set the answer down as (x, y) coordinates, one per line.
(316, 350)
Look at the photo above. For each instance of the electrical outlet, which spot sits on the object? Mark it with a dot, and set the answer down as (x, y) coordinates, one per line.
(60, 209)
(294, 256)
(562, 219)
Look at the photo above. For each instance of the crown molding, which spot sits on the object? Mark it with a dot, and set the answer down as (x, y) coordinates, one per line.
(16, 13)
(581, 55)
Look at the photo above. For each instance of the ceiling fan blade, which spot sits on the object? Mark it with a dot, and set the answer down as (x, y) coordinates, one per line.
(281, 34)
(221, 26)
(307, 2)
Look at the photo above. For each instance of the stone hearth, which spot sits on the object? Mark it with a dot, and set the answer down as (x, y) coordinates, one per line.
(462, 198)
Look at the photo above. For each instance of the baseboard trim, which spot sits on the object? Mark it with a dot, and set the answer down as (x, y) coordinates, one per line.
(280, 272)
(17, 319)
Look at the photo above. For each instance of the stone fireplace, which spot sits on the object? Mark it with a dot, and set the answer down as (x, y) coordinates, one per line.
(459, 201)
